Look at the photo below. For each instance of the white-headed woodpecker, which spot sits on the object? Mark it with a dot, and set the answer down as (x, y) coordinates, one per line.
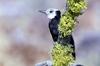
(54, 16)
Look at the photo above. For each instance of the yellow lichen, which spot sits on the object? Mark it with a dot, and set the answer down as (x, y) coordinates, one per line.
(62, 54)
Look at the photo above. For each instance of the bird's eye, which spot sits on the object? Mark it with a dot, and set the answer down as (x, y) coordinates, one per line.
(51, 11)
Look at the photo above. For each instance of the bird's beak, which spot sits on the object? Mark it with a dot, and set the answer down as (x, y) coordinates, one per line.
(42, 11)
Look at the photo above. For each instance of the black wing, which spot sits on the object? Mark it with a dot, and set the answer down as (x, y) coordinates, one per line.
(53, 27)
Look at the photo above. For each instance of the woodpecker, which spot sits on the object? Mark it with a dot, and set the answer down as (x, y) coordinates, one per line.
(54, 16)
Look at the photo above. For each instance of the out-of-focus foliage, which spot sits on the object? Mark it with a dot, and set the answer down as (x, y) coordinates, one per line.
(62, 54)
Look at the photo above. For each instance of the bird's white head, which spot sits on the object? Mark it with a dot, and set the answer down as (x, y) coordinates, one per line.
(51, 13)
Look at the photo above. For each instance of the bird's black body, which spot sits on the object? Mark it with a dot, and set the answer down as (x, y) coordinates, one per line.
(53, 26)
(54, 16)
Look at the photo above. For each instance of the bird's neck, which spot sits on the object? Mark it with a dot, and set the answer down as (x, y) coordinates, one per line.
(55, 21)
(58, 15)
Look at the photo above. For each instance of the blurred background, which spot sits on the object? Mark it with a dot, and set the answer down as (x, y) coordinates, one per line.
(25, 39)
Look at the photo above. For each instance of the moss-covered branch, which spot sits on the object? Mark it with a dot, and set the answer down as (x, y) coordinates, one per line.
(62, 55)
(62, 51)
(68, 19)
